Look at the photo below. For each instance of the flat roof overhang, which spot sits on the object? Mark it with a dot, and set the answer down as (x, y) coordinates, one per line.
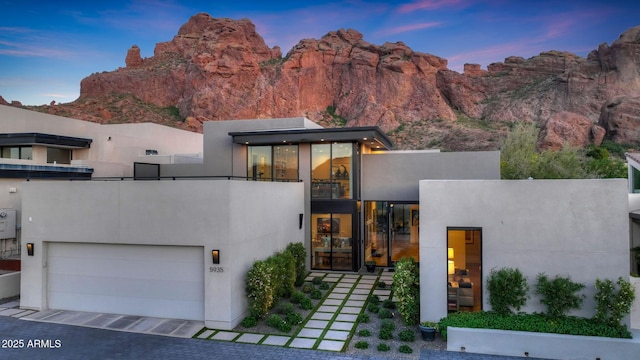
(25, 139)
(371, 136)
(635, 215)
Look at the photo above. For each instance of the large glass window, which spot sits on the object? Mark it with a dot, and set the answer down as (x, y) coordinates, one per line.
(331, 171)
(16, 152)
(464, 269)
(58, 156)
(269, 163)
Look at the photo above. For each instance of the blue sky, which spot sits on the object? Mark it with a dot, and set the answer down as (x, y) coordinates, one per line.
(47, 48)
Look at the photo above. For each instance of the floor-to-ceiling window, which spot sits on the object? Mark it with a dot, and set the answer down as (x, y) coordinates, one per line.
(331, 241)
(391, 231)
(331, 171)
(272, 163)
(464, 269)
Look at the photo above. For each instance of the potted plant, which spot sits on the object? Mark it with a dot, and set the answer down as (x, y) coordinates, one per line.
(371, 265)
(636, 256)
(428, 330)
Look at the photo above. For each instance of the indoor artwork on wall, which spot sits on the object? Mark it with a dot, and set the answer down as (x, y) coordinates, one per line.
(327, 225)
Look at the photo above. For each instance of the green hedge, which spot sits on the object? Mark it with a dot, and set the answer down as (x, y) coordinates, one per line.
(536, 322)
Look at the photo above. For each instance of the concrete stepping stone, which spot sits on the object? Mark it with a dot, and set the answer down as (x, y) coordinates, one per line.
(344, 285)
(328, 308)
(11, 312)
(331, 345)
(206, 334)
(358, 297)
(355, 303)
(302, 343)
(25, 313)
(337, 296)
(361, 291)
(316, 324)
(332, 302)
(351, 276)
(225, 335)
(347, 317)
(336, 335)
(276, 340)
(250, 338)
(339, 325)
(310, 333)
(322, 316)
(349, 281)
(350, 310)
(382, 292)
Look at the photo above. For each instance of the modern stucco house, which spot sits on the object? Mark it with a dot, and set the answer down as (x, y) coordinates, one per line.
(145, 245)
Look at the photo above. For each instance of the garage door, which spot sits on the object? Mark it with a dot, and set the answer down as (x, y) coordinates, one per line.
(158, 281)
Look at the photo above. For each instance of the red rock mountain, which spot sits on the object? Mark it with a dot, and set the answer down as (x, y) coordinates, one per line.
(222, 69)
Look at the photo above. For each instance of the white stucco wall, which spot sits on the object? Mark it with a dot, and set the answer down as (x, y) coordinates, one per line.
(246, 221)
(578, 228)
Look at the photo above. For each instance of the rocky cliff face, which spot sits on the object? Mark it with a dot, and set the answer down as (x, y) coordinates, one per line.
(221, 69)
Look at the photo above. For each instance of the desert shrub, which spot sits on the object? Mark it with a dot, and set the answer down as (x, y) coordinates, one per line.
(297, 296)
(285, 327)
(388, 304)
(407, 335)
(388, 324)
(405, 349)
(285, 308)
(374, 299)
(385, 314)
(294, 318)
(317, 280)
(381, 285)
(406, 290)
(507, 290)
(316, 294)
(559, 294)
(362, 345)
(364, 332)
(364, 318)
(373, 308)
(249, 322)
(274, 320)
(299, 254)
(260, 291)
(324, 286)
(307, 287)
(612, 305)
(306, 304)
(383, 347)
(385, 334)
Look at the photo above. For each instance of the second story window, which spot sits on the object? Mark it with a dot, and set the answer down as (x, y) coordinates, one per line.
(16, 152)
(272, 163)
(58, 156)
(331, 171)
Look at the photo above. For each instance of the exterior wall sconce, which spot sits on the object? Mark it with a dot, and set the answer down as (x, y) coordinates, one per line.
(215, 256)
(30, 249)
(300, 217)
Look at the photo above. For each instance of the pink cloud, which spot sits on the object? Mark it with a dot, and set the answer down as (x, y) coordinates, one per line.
(427, 5)
(407, 28)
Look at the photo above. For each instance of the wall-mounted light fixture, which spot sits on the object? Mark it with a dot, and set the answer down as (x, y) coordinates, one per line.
(300, 217)
(30, 249)
(215, 256)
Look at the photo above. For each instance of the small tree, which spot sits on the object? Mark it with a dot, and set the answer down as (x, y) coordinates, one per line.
(507, 290)
(406, 290)
(613, 305)
(260, 291)
(299, 254)
(559, 295)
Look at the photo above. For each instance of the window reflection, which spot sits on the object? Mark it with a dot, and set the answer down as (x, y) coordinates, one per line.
(331, 166)
(269, 163)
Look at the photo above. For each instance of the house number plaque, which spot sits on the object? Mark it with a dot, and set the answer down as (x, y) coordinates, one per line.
(218, 269)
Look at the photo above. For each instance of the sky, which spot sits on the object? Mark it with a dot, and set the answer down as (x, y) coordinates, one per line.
(48, 47)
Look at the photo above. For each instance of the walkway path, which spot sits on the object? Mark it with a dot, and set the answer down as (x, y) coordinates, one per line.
(329, 327)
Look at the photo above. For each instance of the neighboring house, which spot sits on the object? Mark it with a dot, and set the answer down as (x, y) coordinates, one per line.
(38, 146)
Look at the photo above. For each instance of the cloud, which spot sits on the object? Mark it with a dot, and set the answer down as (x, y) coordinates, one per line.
(407, 28)
(428, 5)
(27, 42)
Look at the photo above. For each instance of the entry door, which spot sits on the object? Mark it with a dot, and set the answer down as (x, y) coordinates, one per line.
(332, 241)
(391, 232)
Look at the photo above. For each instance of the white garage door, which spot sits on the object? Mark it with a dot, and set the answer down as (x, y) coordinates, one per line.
(158, 281)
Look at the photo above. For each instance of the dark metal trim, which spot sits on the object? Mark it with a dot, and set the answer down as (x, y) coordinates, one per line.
(16, 139)
(375, 137)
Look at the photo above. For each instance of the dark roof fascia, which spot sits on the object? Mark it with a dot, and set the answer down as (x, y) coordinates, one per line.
(20, 171)
(371, 133)
(15, 139)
